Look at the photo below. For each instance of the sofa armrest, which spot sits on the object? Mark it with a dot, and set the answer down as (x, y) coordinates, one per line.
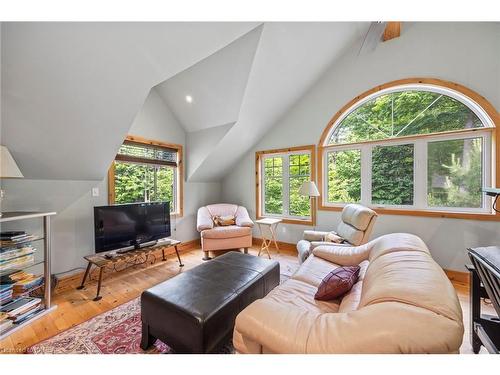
(342, 254)
(389, 327)
(275, 327)
(314, 235)
(204, 220)
(242, 217)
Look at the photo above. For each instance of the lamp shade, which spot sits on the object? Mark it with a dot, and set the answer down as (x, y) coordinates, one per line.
(8, 166)
(309, 188)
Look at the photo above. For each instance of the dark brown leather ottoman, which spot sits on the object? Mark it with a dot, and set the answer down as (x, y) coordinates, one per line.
(194, 312)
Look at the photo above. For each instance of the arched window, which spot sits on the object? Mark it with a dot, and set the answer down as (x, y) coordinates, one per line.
(406, 146)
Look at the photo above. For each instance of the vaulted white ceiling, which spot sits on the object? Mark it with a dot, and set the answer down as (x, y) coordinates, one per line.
(70, 91)
(289, 58)
(216, 85)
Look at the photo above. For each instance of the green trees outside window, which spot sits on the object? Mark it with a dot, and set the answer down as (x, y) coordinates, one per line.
(451, 163)
(392, 175)
(283, 176)
(144, 183)
(344, 176)
(454, 177)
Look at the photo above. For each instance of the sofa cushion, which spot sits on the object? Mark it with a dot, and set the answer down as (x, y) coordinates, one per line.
(230, 231)
(297, 294)
(337, 283)
(313, 271)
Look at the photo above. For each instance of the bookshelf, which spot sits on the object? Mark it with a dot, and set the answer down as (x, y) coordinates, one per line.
(41, 260)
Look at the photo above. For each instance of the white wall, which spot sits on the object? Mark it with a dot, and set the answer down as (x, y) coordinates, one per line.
(466, 53)
(72, 228)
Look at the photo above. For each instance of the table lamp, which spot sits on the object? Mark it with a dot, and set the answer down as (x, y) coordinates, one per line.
(8, 168)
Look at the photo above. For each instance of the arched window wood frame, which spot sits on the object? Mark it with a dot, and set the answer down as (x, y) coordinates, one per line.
(487, 113)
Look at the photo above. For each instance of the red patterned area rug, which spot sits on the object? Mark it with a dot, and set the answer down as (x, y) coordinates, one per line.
(117, 331)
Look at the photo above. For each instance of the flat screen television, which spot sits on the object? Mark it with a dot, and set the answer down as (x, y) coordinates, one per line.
(126, 225)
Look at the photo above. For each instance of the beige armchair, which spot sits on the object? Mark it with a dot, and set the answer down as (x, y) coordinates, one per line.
(355, 229)
(213, 238)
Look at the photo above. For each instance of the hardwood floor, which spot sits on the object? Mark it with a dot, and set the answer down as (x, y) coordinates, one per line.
(76, 306)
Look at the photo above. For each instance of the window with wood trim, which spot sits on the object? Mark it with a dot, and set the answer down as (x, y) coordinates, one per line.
(413, 146)
(280, 174)
(147, 171)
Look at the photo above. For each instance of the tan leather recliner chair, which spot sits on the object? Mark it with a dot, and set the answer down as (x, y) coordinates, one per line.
(402, 303)
(355, 228)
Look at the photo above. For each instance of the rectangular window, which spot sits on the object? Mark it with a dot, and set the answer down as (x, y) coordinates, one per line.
(454, 173)
(392, 175)
(147, 171)
(433, 173)
(344, 176)
(273, 183)
(280, 174)
(299, 172)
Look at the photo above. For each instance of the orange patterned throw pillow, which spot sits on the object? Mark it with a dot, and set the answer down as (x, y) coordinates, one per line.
(224, 221)
(337, 283)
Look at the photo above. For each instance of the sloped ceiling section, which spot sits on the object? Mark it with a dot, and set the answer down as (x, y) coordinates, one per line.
(216, 86)
(290, 57)
(70, 91)
(200, 144)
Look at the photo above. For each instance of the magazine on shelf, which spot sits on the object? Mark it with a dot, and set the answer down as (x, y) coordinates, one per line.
(5, 325)
(20, 305)
(7, 243)
(16, 253)
(12, 235)
(28, 314)
(23, 261)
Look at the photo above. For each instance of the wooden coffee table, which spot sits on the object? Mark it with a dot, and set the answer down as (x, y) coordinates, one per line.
(101, 261)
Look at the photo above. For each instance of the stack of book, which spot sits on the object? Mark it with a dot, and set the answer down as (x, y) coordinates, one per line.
(24, 283)
(6, 293)
(5, 322)
(22, 309)
(13, 238)
(15, 251)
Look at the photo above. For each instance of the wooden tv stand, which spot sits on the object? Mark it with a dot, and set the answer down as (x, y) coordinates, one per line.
(102, 260)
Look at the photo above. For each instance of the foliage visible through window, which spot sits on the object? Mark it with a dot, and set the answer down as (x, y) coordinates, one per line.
(392, 175)
(368, 135)
(344, 176)
(274, 185)
(454, 177)
(145, 173)
(283, 177)
(404, 113)
(144, 183)
(299, 172)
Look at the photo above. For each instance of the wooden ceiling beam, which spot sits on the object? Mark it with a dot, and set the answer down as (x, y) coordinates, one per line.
(392, 30)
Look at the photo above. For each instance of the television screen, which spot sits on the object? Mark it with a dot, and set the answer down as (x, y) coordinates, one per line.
(126, 225)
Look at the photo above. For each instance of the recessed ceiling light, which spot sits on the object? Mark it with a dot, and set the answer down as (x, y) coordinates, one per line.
(189, 98)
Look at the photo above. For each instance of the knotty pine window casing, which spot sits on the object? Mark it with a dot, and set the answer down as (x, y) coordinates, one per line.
(260, 158)
(154, 153)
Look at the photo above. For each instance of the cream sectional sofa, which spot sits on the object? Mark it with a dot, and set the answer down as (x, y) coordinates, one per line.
(402, 303)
